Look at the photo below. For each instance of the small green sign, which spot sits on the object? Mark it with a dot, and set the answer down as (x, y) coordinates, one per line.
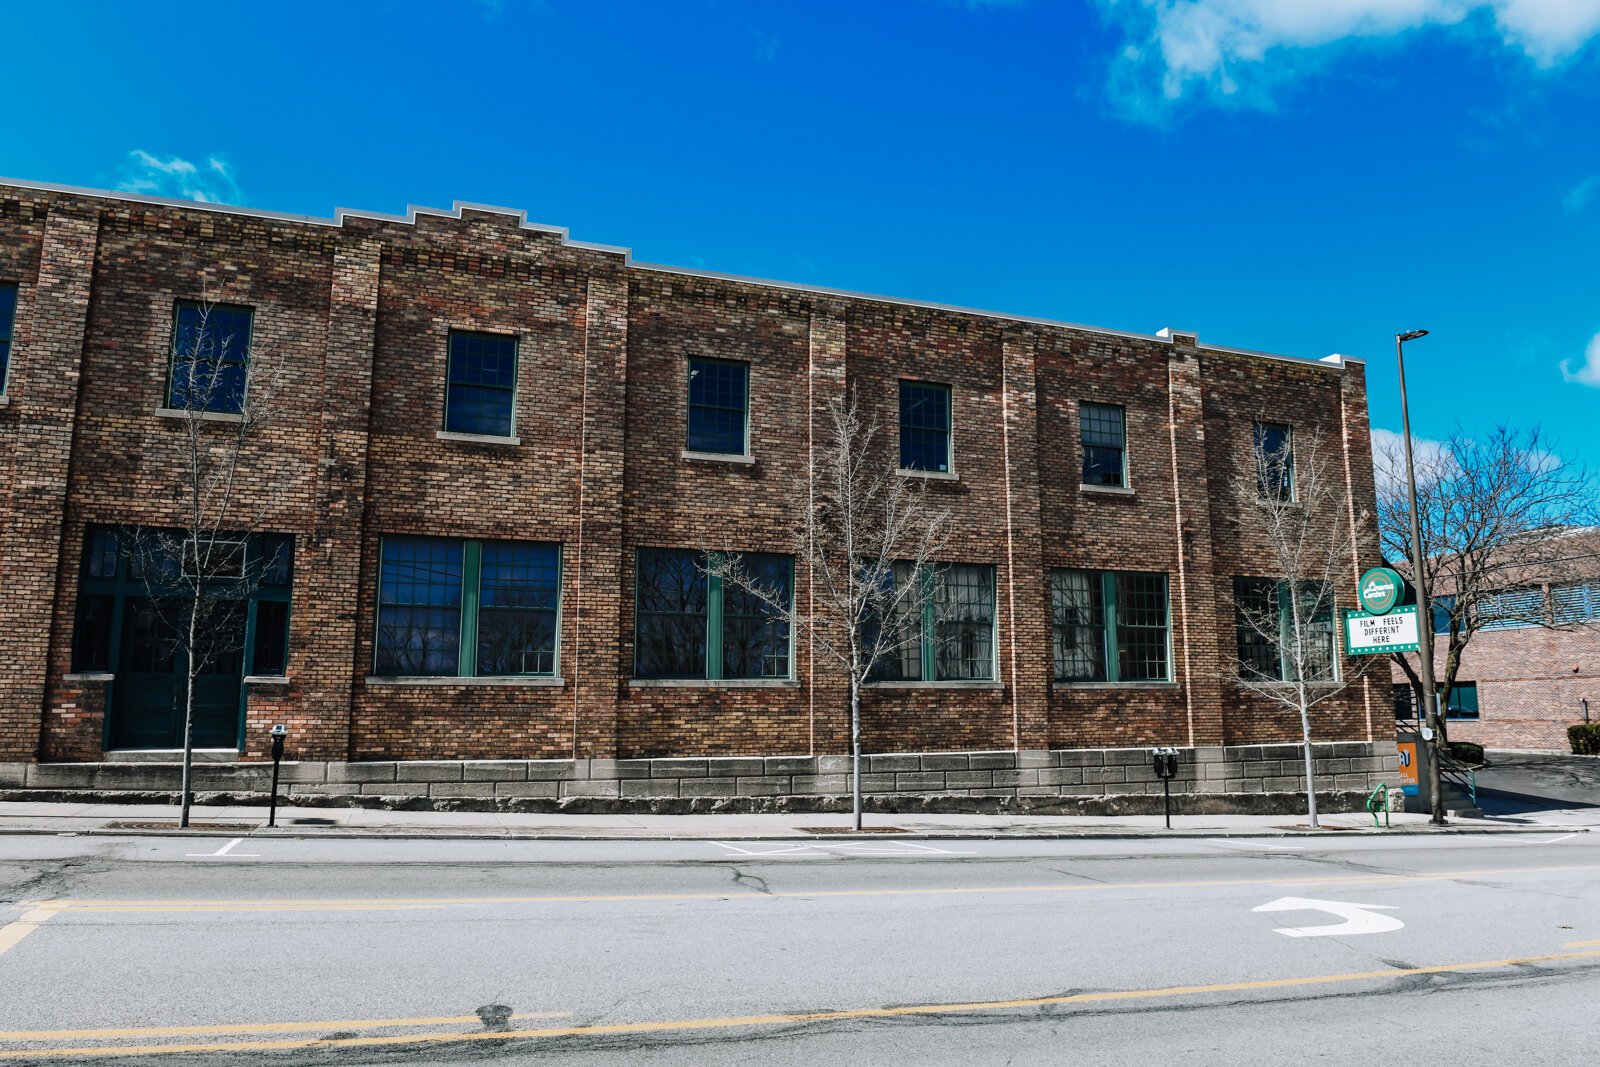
(1379, 590)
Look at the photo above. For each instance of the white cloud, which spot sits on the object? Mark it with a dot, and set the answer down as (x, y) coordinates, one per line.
(210, 182)
(1578, 197)
(1589, 373)
(1236, 51)
(1431, 458)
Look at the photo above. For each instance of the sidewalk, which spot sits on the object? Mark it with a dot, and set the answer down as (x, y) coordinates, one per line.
(121, 819)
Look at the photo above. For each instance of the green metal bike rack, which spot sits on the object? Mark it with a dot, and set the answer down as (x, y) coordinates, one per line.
(1379, 800)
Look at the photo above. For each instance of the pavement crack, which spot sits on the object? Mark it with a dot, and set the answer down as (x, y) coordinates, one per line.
(750, 881)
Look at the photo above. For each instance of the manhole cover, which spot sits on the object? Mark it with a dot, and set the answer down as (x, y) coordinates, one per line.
(847, 830)
(157, 824)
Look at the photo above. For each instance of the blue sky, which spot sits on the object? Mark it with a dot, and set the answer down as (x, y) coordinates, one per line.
(1296, 177)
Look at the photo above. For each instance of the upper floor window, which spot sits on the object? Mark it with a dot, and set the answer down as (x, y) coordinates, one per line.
(1102, 430)
(719, 392)
(1269, 648)
(480, 394)
(1509, 609)
(1274, 458)
(924, 427)
(210, 358)
(946, 632)
(448, 606)
(8, 318)
(1463, 702)
(1109, 626)
(1579, 602)
(690, 623)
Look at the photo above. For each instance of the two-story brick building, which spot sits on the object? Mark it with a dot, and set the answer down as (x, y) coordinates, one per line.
(504, 456)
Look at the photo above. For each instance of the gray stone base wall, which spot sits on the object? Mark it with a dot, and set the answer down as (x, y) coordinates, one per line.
(1204, 773)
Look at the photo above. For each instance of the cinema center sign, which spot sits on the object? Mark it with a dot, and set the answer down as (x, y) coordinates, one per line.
(1386, 625)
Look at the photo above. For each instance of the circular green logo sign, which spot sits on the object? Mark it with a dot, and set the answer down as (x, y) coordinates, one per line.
(1379, 590)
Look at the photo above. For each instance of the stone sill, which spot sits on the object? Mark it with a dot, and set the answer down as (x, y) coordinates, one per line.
(89, 676)
(713, 683)
(941, 476)
(478, 439)
(1113, 490)
(266, 679)
(1146, 686)
(203, 416)
(951, 684)
(716, 457)
(4, 400)
(456, 680)
(1337, 683)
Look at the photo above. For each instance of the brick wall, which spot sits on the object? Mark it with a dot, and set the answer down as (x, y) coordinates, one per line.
(360, 309)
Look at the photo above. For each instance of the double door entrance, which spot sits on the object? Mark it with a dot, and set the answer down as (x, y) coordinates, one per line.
(152, 676)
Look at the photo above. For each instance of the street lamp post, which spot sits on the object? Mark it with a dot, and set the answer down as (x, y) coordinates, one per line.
(1430, 698)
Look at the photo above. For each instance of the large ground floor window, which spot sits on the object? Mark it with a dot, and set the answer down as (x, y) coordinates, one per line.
(945, 630)
(136, 597)
(692, 623)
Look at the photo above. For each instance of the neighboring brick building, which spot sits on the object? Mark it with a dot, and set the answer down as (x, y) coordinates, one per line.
(499, 433)
(1525, 676)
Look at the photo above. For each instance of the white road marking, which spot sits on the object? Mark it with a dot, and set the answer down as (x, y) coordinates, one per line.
(1220, 843)
(1358, 918)
(1552, 841)
(43, 912)
(224, 852)
(822, 850)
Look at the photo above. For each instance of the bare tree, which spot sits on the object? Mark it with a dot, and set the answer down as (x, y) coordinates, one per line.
(867, 537)
(1497, 517)
(1295, 499)
(224, 391)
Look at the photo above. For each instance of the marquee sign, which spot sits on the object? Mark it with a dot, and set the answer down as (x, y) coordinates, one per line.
(1368, 635)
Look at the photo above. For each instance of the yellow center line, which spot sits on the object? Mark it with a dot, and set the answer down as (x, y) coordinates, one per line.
(670, 1026)
(1580, 944)
(352, 904)
(257, 1028)
(43, 911)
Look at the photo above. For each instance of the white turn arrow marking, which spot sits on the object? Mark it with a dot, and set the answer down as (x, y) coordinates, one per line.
(1358, 918)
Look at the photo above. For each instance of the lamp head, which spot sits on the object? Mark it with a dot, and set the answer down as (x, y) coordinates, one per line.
(1411, 335)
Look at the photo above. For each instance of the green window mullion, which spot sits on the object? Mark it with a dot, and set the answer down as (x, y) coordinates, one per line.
(1108, 601)
(930, 628)
(713, 625)
(471, 565)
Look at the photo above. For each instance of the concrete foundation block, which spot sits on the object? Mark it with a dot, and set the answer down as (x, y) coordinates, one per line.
(833, 764)
(678, 768)
(13, 775)
(919, 782)
(707, 787)
(556, 770)
(877, 783)
(1084, 757)
(60, 775)
(992, 761)
(1038, 757)
(813, 784)
(500, 770)
(461, 789)
(320, 789)
(308, 771)
(945, 761)
(766, 785)
(650, 787)
(1017, 777)
(605, 769)
(426, 771)
(735, 767)
(789, 765)
(972, 779)
(604, 788)
(893, 762)
(394, 789)
(363, 772)
(527, 789)
(1061, 776)
(1128, 757)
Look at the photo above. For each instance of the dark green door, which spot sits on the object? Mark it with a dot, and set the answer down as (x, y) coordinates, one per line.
(148, 711)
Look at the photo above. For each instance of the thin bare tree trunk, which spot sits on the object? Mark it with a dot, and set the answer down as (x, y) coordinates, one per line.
(1311, 778)
(855, 752)
(188, 717)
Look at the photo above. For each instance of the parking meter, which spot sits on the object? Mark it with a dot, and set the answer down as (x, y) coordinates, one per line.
(1164, 761)
(278, 732)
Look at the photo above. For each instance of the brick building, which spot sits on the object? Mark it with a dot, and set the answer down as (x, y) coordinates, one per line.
(1534, 663)
(498, 435)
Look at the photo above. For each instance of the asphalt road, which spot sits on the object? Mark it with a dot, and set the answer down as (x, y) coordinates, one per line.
(1474, 950)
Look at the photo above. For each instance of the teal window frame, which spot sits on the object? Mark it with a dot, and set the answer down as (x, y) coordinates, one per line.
(1108, 625)
(469, 606)
(8, 329)
(1463, 703)
(1256, 588)
(107, 575)
(926, 604)
(715, 619)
